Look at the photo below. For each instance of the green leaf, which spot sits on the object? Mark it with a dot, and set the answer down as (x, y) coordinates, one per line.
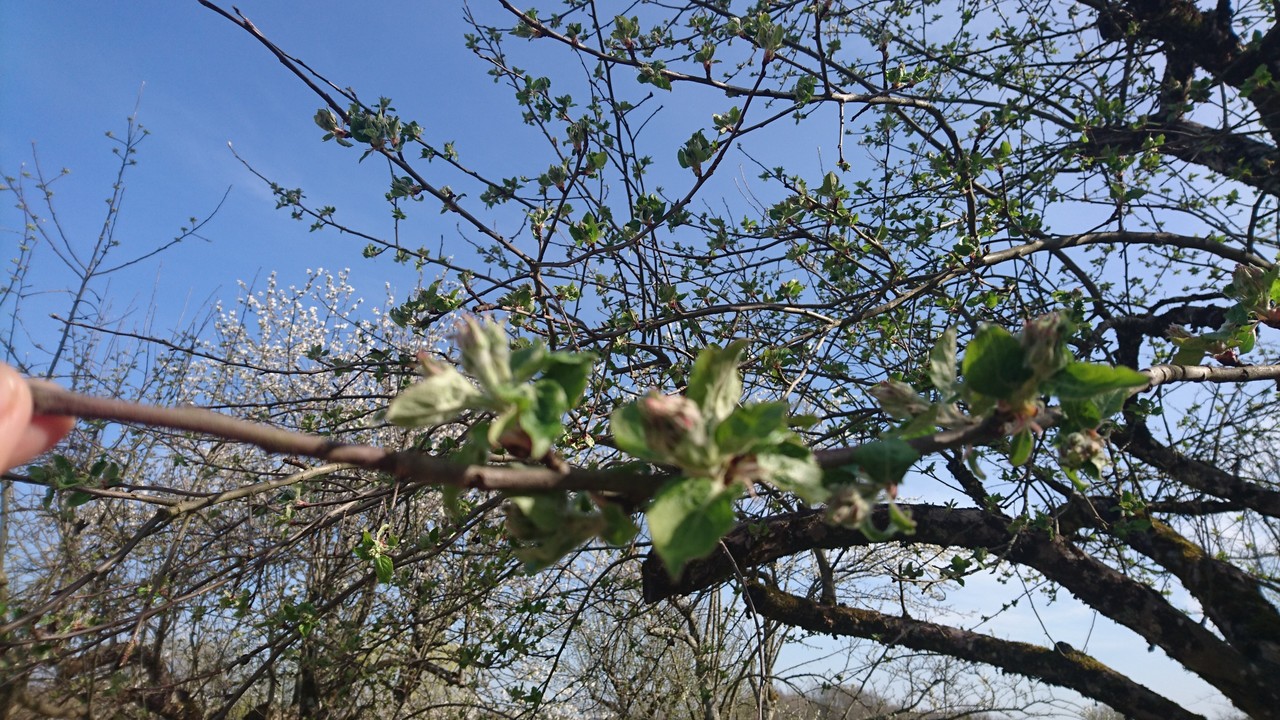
(942, 362)
(994, 363)
(1245, 337)
(619, 528)
(528, 361)
(77, 498)
(542, 419)
(1237, 315)
(885, 462)
(1074, 477)
(750, 427)
(1022, 445)
(1085, 413)
(627, 424)
(899, 522)
(571, 371)
(384, 567)
(546, 550)
(438, 398)
(1079, 381)
(1190, 352)
(926, 423)
(714, 383)
(475, 451)
(688, 518)
(651, 74)
(545, 510)
(364, 548)
(791, 467)
(1111, 402)
(803, 422)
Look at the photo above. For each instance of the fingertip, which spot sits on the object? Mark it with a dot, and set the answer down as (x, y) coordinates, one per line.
(49, 429)
(23, 436)
(15, 415)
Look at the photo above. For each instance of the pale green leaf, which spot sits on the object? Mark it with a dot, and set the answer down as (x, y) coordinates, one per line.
(715, 383)
(688, 518)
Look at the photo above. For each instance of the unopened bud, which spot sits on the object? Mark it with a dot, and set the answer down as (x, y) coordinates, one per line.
(486, 353)
(326, 120)
(1247, 282)
(1081, 448)
(672, 422)
(847, 507)
(899, 399)
(1044, 342)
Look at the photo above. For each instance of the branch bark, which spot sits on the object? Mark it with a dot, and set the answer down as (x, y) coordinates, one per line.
(1074, 669)
(1137, 440)
(1233, 155)
(1123, 599)
(1232, 599)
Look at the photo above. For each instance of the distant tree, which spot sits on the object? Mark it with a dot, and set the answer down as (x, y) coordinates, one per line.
(1026, 203)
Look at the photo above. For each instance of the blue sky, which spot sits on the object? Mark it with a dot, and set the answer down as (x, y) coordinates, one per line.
(72, 70)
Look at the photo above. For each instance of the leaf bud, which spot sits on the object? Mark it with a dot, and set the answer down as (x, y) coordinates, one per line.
(1044, 342)
(326, 120)
(486, 353)
(672, 423)
(899, 399)
(1248, 284)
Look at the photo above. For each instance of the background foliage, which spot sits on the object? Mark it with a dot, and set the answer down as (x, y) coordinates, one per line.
(1026, 193)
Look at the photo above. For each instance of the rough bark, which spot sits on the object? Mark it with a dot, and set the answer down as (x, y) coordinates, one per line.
(1121, 598)
(1071, 669)
(1137, 440)
(1231, 154)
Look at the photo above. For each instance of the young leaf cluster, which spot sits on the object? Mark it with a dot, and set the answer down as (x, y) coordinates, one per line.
(527, 391)
(1011, 375)
(721, 448)
(1257, 296)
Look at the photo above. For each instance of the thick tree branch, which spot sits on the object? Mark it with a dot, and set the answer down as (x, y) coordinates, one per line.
(1232, 599)
(1137, 440)
(1203, 37)
(1123, 599)
(1071, 669)
(1153, 325)
(1230, 154)
(1161, 374)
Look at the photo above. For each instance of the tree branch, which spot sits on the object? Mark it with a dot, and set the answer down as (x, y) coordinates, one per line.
(1137, 440)
(1161, 374)
(1127, 601)
(1230, 154)
(403, 465)
(1231, 598)
(1074, 670)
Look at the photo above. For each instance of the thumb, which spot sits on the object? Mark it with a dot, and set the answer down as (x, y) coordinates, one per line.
(22, 435)
(15, 415)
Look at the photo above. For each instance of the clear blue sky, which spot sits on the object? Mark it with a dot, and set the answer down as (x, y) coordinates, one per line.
(71, 70)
